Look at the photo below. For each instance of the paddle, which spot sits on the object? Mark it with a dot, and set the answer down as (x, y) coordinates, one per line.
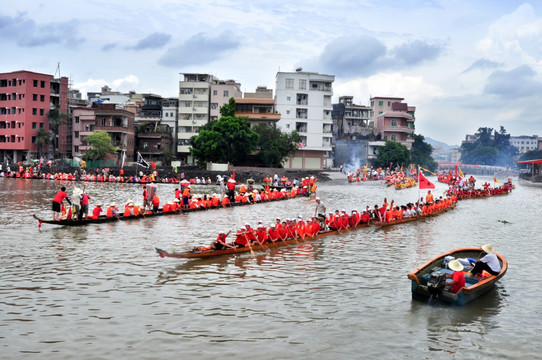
(248, 243)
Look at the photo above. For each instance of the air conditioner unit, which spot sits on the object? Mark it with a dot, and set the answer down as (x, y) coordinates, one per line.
(195, 96)
(194, 109)
(193, 121)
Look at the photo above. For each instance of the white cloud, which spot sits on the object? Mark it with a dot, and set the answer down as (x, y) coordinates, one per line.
(413, 88)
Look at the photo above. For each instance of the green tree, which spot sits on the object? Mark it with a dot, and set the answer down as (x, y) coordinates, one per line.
(421, 153)
(100, 146)
(531, 155)
(392, 152)
(226, 140)
(274, 146)
(43, 139)
(56, 119)
(491, 147)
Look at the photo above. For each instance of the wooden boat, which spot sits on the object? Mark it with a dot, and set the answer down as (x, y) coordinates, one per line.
(413, 218)
(204, 253)
(105, 219)
(473, 289)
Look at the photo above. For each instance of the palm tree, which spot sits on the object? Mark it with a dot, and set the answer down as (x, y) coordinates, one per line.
(56, 119)
(43, 140)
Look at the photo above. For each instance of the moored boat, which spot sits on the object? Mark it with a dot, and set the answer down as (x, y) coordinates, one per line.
(423, 288)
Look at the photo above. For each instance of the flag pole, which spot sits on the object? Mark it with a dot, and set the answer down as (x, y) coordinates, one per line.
(418, 199)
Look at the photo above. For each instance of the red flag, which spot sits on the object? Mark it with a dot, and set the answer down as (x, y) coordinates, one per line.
(424, 183)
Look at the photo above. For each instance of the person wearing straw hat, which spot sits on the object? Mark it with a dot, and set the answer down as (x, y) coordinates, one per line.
(458, 277)
(489, 262)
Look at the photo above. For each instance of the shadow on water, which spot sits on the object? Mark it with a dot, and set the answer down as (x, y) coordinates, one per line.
(444, 323)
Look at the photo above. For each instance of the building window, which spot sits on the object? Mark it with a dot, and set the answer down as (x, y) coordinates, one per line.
(393, 137)
(42, 84)
(76, 148)
(302, 84)
(302, 99)
(381, 103)
(41, 125)
(287, 112)
(34, 125)
(288, 98)
(215, 92)
(226, 93)
(35, 83)
(34, 97)
(301, 113)
(77, 119)
(289, 83)
(394, 122)
(76, 134)
(34, 111)
(214, 106)
(42, 112)
(33, 139)
(42, 98)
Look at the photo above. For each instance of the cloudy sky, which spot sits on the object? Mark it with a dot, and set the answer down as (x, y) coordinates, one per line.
(464, 64)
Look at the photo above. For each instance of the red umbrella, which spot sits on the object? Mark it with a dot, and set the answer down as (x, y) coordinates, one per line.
(185, 182)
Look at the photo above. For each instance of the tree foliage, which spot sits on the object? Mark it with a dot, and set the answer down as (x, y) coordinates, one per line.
(274, 146)
(491, 147)
(421, 153)
(531, 155)
(392, 152)
(43, 140)
(226, 140)
(100, 146)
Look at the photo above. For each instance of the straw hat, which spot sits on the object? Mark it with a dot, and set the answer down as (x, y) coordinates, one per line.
(113, 204)
(455, 265)
(488, 248)
(99, 205)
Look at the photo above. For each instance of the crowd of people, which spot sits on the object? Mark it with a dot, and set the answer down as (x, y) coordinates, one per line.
(182, 200)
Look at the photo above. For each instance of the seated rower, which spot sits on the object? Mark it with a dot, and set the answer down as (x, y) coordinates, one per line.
(261, 235)
(112, 210)
(221, 243)
(96, 212)
(273, 233)
(241, 239)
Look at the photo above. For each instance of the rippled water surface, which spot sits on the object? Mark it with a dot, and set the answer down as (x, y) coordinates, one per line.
(102, 292)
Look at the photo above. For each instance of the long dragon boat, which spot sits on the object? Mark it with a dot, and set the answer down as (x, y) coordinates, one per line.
(204, 252)
(106, 219)
(427, 281)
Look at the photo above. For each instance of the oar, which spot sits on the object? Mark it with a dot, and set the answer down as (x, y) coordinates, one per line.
(248, 243)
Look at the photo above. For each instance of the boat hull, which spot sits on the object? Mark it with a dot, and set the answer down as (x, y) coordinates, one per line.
(470, 292)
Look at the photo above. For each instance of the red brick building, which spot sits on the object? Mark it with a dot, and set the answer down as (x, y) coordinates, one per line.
(25, 99)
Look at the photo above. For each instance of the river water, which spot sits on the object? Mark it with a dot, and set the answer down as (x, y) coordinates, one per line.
(102, 292)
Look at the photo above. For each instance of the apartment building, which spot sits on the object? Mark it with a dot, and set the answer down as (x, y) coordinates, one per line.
(394, 120)
(258, 107)
(221, 93)
(25, 99)
(303, 100)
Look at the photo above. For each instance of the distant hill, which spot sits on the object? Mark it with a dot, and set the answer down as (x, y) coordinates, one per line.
(440, 144)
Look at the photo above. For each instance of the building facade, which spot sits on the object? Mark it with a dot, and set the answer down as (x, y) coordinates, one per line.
(303, 100)
(25, 99)
(221, 93)
(170, 116)
(114, 119)
(194, 99)
(525, 143)
(394, 120)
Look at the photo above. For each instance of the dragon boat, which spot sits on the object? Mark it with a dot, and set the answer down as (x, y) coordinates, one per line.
(106, 219)
(201, 252)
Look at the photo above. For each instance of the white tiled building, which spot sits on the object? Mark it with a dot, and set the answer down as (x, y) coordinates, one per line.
(524, 143)
(304, 101)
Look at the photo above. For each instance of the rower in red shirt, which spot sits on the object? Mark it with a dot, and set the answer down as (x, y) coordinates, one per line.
(96, 212)
(241, 239)
(57, 201)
